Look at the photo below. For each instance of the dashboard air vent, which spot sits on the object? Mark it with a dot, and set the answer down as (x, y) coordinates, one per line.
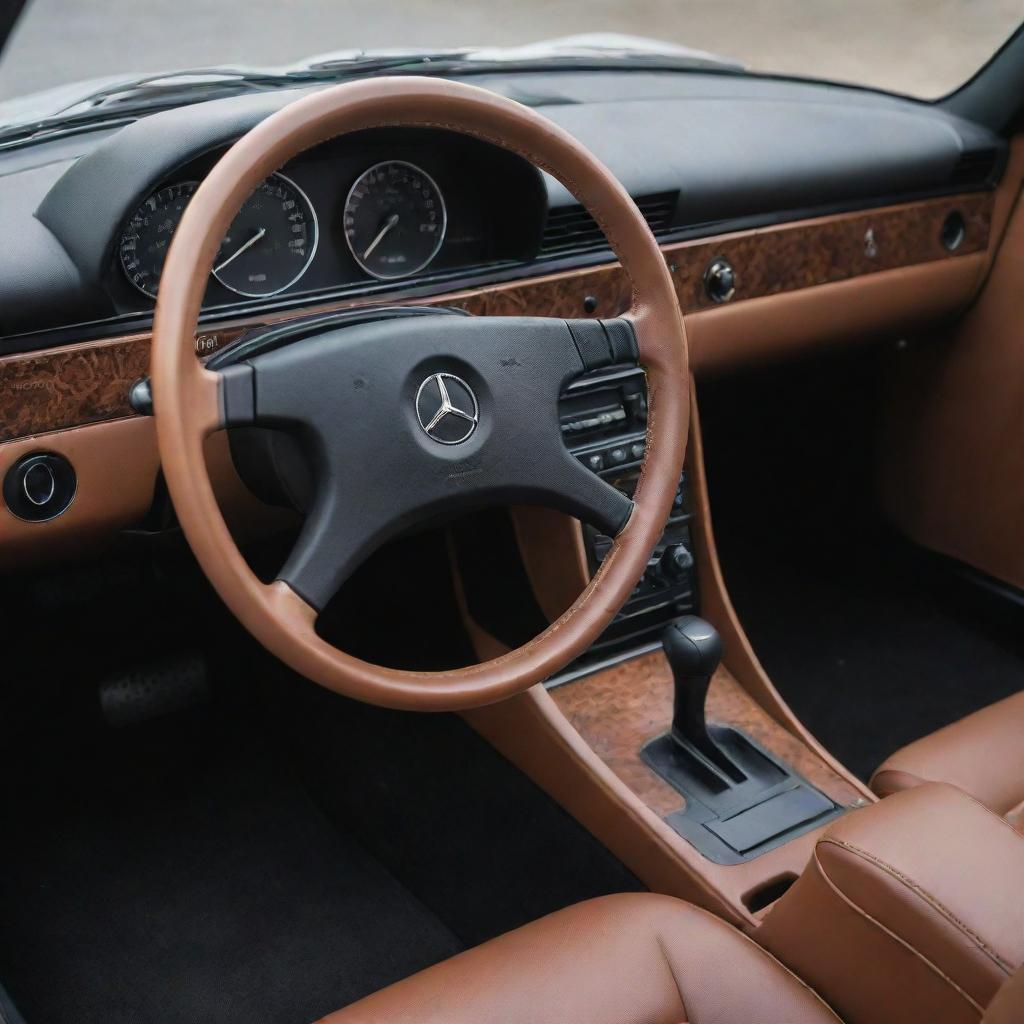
(975, 167)
(570, 229)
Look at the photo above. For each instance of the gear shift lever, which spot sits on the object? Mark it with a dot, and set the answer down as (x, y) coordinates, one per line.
(694, 649)
(740, 798)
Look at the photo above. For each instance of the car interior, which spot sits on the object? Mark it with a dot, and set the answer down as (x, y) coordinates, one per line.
(541, 545)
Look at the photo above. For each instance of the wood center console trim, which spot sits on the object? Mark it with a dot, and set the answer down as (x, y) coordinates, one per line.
(619, 710)
(531, 731)
(85, 383)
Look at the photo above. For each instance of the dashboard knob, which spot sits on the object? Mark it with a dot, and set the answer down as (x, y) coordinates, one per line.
(39, 483)
(676, 562)
(720, 280)
(39, 486)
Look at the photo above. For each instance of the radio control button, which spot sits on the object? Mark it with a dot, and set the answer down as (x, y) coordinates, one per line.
(594, 462)
(637, 450)
(616, 456)
(676, 562)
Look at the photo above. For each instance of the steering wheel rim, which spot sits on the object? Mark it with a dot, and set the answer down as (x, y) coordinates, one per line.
(189, 399)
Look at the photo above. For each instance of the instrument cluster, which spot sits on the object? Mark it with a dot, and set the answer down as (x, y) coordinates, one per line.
(341, 215)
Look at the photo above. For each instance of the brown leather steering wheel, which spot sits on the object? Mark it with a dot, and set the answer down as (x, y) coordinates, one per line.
(515, 367)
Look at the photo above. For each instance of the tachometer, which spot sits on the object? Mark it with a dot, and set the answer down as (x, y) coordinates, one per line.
(268, 247)
(394, 219)
(148, 232)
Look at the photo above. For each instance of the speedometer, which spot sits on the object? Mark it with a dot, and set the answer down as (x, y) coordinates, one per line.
(270, 242)
(394, 219)
(268, 247)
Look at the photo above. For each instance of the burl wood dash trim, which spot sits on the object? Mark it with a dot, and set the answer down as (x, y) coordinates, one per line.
(620, 709)
(88, 383)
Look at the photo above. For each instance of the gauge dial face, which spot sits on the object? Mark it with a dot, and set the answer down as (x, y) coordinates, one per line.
(270, 243)
(394, 219)
(268, 247)
(147, 235)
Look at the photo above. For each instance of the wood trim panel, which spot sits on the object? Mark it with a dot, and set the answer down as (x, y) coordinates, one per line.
(88, 383)
(618, 710)
(534, 735)
(73, 386)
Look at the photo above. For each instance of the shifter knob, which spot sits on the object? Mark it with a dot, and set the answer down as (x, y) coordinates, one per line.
(692, 646)
(694, 649)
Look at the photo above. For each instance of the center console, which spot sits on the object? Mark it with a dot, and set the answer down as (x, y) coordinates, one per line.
(688, 768)
(604, 423)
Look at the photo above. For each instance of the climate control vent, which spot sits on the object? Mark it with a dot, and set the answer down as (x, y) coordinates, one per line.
(570, 229)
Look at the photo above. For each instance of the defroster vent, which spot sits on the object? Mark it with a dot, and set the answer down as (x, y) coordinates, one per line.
(570, 229)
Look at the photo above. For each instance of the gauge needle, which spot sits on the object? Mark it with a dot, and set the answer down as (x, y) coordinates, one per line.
(238, 252)
(388, 225)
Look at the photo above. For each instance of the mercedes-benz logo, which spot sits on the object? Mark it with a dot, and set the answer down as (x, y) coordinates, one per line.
(446, 408)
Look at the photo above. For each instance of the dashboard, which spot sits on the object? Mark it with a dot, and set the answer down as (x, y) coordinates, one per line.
(790, 215)
(701, 154)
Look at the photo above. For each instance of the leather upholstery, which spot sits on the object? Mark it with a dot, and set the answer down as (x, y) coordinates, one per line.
(982, 754)
(1008, 1005)
(912, 909)
(625, 959)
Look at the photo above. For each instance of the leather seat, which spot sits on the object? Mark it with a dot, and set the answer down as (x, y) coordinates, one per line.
(982, 754)
(625, 959)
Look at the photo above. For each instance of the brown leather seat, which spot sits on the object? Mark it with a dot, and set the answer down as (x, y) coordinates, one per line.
(982, 754)
(626, 959)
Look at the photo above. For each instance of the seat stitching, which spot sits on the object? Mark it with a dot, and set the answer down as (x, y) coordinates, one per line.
(995, 814)
(933, 901)
(896, 938)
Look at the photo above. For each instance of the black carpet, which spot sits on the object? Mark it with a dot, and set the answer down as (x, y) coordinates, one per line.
(270, 855)
(188, 878)
(457, 824)
(872, 650)
(873, 642)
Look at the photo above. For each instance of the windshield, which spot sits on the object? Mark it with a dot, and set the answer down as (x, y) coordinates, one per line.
(924, 48)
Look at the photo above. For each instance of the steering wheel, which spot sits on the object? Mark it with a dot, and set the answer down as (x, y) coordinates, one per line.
(406, 418)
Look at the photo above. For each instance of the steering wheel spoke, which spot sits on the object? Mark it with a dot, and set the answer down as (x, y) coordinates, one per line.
(333, 541)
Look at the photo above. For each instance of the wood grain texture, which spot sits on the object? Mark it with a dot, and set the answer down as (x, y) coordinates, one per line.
(74, 386)
(618, 710)
(830, 249)
(88, 383)
(60, 388)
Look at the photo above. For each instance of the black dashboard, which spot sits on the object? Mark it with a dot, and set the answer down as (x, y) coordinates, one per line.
(86, 218)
